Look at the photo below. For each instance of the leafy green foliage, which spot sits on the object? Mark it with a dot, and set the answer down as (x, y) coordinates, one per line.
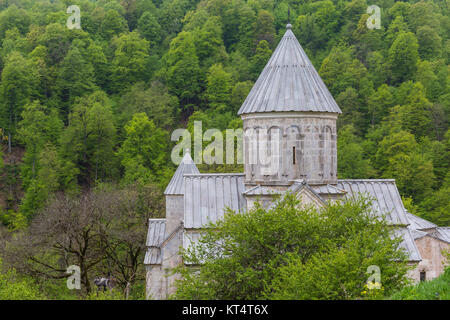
(38, 127)
(112, 24)
(143, 152)
(219, 86)
(76, 77)
(88, 140)
(130, 60)
(259, 60)
(18, 84)
(155, 101)
(292, 252)
(403, 56)
(13, 286)
(183, 67)
(350, 156)
(149, 28)
(399, 154)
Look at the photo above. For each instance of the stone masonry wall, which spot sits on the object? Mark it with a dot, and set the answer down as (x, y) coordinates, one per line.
(433, 262)
(306, 150)
(174, 218)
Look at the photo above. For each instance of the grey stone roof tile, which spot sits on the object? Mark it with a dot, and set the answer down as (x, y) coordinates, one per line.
(207, 196)
(418, 223)
(443, 233)
(155, 236)
(385, 197)
(408, 243)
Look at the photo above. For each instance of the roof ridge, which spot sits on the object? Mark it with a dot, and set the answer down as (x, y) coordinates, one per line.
(368, 180)
(213, 174)
(252, 188)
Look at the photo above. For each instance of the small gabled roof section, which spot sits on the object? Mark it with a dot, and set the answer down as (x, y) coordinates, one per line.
(418, 223)
(417, 234)
(302, 186)
(261, 191)
(442, 233)
(299, 187)
(289, 82)
(328, 189)
(439, 233)
(176, 184)
(156, 234)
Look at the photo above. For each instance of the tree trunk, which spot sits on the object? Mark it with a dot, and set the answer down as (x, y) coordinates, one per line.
(9, 131)
(9, 142)
(127, 290)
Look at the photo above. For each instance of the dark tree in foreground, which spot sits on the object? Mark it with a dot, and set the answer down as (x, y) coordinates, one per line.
(102, 231)
(123, 238)
(65, 233)
(293, 252)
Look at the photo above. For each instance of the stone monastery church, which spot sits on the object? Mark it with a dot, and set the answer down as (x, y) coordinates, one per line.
(291, 100)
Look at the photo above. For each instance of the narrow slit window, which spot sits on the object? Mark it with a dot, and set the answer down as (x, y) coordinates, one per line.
(423, 275)
(293, 155)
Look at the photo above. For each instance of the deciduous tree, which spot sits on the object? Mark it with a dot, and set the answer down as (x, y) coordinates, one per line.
(248, 255)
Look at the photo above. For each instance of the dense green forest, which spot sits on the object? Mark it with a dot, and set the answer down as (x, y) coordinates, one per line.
(93, 109)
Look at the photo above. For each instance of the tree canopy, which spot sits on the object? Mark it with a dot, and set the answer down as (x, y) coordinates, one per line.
(292, 251)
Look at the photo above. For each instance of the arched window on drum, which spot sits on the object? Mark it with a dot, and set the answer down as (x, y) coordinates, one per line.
(250, 152)
(272, 153)
(294, 153)
(327, 152)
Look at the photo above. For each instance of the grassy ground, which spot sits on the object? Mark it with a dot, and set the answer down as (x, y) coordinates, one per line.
(436, 289)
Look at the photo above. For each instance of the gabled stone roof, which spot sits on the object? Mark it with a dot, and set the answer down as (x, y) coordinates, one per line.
(417, 234)
(208, 195)
(439, 233)
(384, 194)
(442, 233)
(261, 191)
(408, 244)
(289, 82)
(328, 189)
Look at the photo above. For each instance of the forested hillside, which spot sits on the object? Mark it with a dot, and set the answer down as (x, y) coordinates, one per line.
(94, 108)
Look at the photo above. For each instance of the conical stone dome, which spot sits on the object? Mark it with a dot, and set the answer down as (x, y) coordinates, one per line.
(289, 120)
(289, 82)
(176, 184)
